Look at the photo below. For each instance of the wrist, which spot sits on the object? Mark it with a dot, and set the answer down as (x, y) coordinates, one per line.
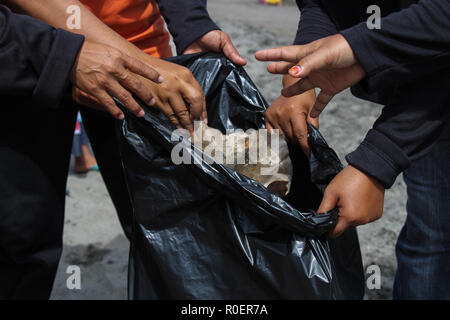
(380, 158)
(377, 183)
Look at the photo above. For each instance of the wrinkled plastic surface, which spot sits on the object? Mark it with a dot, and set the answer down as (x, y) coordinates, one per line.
(207, 232)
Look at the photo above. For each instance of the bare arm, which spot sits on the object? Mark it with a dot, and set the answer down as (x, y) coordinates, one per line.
(171, 96)
(54, 13)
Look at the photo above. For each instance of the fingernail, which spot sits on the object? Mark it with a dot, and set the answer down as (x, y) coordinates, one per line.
(121, 116)
(314, 113)
(141, 113)
(205, 120)
(152, 102)
(160, 79)
(295, 71)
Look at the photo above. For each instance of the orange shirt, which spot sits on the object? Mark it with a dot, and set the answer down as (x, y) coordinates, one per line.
(138, 21)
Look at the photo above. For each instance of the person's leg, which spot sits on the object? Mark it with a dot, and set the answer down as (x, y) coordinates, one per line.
(100, 127)
(84, 160)
(423, 247)
(35, 145)
(76, 146)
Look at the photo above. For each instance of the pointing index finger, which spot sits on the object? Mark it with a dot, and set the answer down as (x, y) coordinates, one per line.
(287, 53)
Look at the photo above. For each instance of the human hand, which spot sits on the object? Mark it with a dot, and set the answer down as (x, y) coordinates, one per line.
(328, 64)
(216, 41)
(290, 117)
(180, 97)
(101, 71)
(358, 196)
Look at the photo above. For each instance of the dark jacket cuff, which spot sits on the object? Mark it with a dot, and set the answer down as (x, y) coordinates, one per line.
(196, 30)
(376, 86)
(379, 157)
(54, 78)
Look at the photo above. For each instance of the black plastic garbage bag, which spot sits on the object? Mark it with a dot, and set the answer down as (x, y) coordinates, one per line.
(204, 231)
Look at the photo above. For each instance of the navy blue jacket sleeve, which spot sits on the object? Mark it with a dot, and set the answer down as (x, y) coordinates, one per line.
(314, 23)
(409, 60)
(187, 20)
(400, 58)
(412, 43)
(35, 58)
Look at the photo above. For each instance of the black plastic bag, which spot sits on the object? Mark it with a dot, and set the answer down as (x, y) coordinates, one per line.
(204, 231)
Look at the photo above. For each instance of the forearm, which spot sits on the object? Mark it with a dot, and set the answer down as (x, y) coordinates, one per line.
(406, 130)
(177, 94)
(93, 29)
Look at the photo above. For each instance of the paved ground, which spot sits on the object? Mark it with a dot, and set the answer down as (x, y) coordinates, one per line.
(93, 238)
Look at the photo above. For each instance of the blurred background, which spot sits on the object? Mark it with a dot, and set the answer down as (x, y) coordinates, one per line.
(93, 238)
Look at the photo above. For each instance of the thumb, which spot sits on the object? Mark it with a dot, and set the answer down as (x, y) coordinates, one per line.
(316, 60)
(231, 52)
(313, 121)
(193, 48)
(329, 201)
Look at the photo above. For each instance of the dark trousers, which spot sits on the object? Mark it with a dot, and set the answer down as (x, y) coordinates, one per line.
(423, 247)
(35, 146)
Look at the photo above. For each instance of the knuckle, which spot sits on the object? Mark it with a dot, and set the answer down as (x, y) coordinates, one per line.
(115, 55)
(186, 73)
(269, 114)
(302, 138)
(138, 86)
(290, 107)
(283, 52)
(152, 72)
(122, 75)
(109, 67)
(196, 98)
(114, 111)
(300, 133)
(173, 119)
(124, 97)
(328, 57)
(279, 112)
(102, 81)
(91, 86)
(147, 96)
(353, 221)
(182, 113)
(95, 92)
